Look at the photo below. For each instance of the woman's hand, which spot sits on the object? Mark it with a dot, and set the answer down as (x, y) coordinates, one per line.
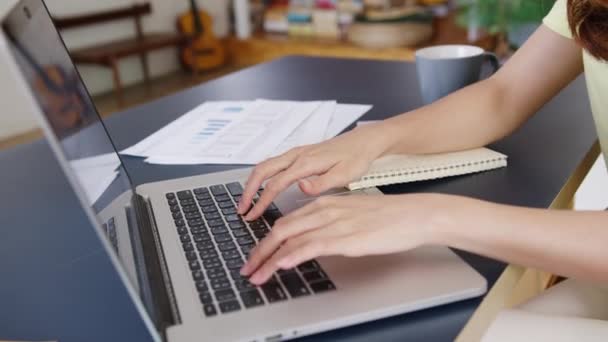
(344, 225)
(336, 162)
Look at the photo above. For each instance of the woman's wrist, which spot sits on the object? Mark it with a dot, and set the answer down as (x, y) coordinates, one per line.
(377, 137)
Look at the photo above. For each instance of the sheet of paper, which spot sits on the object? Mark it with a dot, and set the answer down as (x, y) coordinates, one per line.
(194, 132)
(252, 139)
(311, 131)
(365, 122)
(344, 116)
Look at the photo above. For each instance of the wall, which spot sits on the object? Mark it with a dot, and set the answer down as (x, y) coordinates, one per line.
(162, 19)
(99, 80)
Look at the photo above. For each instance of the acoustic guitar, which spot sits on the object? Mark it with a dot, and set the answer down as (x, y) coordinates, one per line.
(204, 51)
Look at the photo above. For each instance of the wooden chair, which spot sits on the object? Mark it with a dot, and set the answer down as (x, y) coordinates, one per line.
(108, 54)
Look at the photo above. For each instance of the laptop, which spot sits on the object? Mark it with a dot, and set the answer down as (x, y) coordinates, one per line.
(178, 245)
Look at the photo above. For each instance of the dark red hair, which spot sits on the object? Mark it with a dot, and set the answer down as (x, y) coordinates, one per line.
(588, 20)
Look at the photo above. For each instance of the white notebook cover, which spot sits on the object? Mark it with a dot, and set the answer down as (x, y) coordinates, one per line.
(395, 169)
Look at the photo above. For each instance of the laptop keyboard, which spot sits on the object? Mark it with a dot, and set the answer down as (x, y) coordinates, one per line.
(216, 243)
(109, 229)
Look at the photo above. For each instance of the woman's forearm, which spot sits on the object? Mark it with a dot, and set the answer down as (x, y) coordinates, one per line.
(568, 243)
(472, 117)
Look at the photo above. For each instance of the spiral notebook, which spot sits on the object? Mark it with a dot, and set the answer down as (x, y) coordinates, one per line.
(395, 169)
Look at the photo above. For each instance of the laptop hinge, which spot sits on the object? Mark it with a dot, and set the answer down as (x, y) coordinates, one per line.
(162, 296)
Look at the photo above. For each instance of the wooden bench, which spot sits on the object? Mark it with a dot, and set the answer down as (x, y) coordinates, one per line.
(108, 54)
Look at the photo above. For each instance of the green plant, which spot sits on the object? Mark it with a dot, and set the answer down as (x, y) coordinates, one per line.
(500, 16)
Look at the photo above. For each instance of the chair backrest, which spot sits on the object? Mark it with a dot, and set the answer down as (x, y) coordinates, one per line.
(135, 11)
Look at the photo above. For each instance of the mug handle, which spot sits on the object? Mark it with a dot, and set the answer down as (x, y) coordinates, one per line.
(489, 56)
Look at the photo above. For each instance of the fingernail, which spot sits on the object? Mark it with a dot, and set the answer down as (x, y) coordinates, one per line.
(283, 263)
(255, 279)
(244, 270)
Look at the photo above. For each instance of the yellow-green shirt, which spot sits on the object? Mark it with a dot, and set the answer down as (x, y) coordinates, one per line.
(596, 74)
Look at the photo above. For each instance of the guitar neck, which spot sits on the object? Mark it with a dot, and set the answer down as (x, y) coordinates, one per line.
(197, 20)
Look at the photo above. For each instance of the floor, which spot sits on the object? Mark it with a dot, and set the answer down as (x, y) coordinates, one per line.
(592, 194)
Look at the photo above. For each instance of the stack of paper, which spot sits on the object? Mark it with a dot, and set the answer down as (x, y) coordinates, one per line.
(245, 132)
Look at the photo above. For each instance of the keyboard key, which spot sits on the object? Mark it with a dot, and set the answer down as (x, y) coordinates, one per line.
(187, 202)
(188, 246)
(236, 225)
(184, 238)
(240, 233)
(170, 196)
(290, 270)
(223, 198)
(174, 208)
(215, 223)
(314, 276)
(198, 275)
(217, 190)
(231, 254)
(212, 216)
(191, 255)
(258, 224)
(322, 286)
(212, 263)
(194, 265)
(235, 189)
(207, 254)
(230, 306)
(226, 246)
(194, 215)
(180, 222)
(214, 273)
(209, 209)
(246, 249)
(274, 292)
(224, 295)
(199, 191)
(205, 298)
(246, 240)
(252, 298)
(260, 234)
(201, 237)
(222, 238)
(190, 209)
(243, 285)
(229, 211)
(177, 215)
(182, 230)
(201, 286)
(233, 218)
(199, 230)
(203, 197)
(294, 285)
(206, 202)
(234, 264)
(224, 205)
(205, 245)
(219, 230)
(309, 266)
(196, 222)
(182, 195)
(209, 310)
(220, 284)
(172, 202)
(272, 216)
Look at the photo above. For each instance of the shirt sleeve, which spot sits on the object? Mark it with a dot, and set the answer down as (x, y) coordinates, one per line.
(557, 19)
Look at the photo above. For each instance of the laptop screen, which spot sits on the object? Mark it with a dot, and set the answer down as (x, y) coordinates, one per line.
(63, 99)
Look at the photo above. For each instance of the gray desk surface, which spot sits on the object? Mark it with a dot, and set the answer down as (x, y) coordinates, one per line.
(56, 285)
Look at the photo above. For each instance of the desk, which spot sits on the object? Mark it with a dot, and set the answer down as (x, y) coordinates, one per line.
(44, 299)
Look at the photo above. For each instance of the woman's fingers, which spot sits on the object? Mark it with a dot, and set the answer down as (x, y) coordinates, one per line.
(308, 246)
(301, 168)
(333, 178)
(262, 172)
(285, 230)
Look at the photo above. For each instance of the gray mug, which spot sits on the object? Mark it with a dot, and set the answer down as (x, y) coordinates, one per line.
(444, 69)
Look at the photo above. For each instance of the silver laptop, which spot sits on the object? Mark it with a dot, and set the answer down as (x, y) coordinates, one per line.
(178, 244)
